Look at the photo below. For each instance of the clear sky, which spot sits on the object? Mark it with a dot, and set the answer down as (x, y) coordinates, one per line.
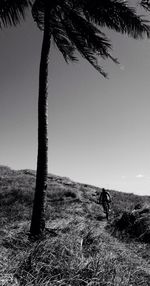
(99, 130)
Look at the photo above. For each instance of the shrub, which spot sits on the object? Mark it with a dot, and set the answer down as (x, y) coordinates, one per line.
(135, 224)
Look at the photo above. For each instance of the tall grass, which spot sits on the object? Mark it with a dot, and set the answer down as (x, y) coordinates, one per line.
(65, 261)
(77, 249)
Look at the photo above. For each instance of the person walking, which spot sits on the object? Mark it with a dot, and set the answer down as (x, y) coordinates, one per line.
(105, 200)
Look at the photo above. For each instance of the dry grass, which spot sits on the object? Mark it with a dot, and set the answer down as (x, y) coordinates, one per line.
(77, 248)
(75, 259)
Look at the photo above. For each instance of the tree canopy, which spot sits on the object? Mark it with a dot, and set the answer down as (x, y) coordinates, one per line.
(76, 25)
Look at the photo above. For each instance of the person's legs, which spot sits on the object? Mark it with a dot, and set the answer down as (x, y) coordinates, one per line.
(106, 208)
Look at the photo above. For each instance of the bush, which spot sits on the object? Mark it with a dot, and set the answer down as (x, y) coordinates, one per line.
(135, 224)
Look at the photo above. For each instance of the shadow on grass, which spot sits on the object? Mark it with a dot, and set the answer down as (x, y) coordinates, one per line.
(100, 217)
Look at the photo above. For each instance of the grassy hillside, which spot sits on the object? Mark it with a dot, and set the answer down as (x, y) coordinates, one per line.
(80, 247)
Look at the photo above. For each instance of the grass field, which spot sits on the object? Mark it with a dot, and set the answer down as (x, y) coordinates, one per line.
(80, 247)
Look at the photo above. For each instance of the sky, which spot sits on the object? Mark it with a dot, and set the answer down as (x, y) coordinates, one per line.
(99, 129)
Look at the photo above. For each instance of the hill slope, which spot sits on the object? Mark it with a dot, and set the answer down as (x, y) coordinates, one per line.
(77, 249)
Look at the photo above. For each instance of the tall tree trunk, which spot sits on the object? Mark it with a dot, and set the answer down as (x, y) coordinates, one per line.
(38, 214)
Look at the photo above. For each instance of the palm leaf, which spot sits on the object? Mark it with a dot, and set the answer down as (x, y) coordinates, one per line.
(145, 4)
(38, 10)
(86, 50)
(116, 15)
(75, 25)
(12, 11)
(63, 43)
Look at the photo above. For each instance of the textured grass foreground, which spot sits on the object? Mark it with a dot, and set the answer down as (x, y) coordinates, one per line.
(77, 248)
(65, 261)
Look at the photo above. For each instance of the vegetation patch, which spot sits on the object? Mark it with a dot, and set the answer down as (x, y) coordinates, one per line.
(134, 224)
(79, 260)
(77, 249)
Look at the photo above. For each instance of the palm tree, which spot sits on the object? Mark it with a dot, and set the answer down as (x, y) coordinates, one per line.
(74, 25)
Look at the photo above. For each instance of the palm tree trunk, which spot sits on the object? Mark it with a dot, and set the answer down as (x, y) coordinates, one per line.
(38, 214)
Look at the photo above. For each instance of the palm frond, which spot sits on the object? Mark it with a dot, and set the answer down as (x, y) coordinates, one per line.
(75, 25)
(86, 37)
(145, 4)
(13, 11)
(38, 10)
(116, 15)
(40, 7)
(62, 41)
(87, 50)
(91, 35)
